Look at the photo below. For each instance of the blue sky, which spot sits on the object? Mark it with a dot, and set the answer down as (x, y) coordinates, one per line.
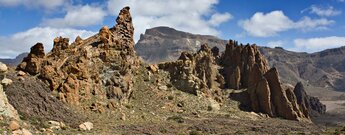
(297, 25)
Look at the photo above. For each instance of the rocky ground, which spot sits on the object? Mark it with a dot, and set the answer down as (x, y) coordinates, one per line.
(159, 108)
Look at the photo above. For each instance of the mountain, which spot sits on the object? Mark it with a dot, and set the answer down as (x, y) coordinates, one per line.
(322, 70)
(166, 44)
(15, 61)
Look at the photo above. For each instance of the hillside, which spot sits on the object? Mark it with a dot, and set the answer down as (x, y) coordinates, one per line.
(14, 62)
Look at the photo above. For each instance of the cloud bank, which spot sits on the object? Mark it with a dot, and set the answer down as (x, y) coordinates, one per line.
(270, 24)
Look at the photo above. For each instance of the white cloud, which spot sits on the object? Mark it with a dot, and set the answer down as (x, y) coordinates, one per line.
(318, 44)
(78, 16)
(323, 11)
(21, 42)
(306, 23)
(218, 18)
(273, 44)
(264, 25)
(47, 4)
(270, 24)
(186, 15)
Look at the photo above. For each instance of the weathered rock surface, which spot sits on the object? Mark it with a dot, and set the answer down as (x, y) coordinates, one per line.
(86, 126)
(100, 67)
(32, 63)
(309, 105)
(238, 61)
(282, 104)
(13, 125)
(245, 67)
(194, 73)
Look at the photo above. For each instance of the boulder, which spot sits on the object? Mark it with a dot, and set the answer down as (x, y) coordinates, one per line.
(86, 126)
(13, 125)
(153, 68)
(21, 73)
(6, 82)
(3, 68)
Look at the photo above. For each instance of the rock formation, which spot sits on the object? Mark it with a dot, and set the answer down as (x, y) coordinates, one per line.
(195, 73)
(238, 61)
(92, 68)
(245, 67)
(32, 63)
(310, 106)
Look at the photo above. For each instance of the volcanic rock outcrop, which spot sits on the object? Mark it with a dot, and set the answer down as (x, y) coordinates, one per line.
(309, 105)
(195, 73)
(95, 68)
(245, 68)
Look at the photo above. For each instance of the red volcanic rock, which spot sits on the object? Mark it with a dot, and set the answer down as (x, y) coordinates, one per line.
(100, 67)
(32, 63)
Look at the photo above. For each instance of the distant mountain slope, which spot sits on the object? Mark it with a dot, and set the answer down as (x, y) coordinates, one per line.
(14, 62)
(325, 69)
(166, 44)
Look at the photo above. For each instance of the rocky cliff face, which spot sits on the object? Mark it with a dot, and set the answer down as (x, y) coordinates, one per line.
(99, 68)
(164, 44)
